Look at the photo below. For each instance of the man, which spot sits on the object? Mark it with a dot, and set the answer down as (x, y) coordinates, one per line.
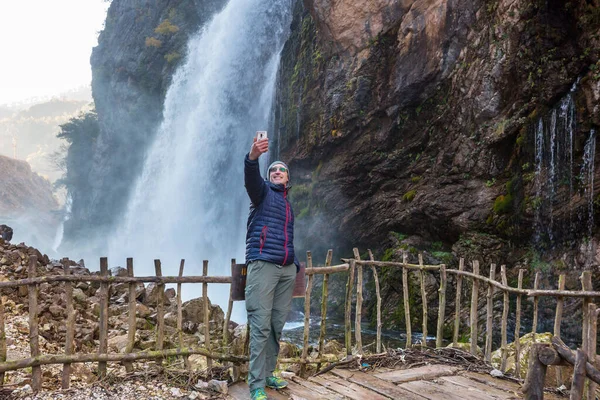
(271, 272)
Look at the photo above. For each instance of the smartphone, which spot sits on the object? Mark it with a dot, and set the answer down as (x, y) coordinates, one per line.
(260, 135)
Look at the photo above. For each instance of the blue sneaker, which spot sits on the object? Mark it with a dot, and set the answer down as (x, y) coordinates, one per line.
(275, 383)
(258, 394)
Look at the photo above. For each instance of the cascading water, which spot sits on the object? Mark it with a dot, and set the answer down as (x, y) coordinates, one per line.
(553, 183)
(586, 178)
(190, 201)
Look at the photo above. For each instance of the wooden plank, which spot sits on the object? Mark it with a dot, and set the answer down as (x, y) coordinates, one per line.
(478, 387)
(302, 389)
(502, 384)
(420, 373)
(240, 391)
(375, 384)
(348, 389)
(443, 390)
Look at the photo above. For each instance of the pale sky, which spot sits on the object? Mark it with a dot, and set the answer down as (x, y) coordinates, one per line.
(46, 46)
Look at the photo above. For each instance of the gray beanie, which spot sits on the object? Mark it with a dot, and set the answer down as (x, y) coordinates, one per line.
(282, 163)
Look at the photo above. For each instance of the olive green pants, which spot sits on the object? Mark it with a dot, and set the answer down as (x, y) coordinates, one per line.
(269, 289)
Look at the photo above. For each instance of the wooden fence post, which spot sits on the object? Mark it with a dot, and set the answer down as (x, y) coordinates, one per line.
(578, 376)
(306, 315)
(505, 309)
(131, 317)
(2, 339)
(324, 297)
(536, 374)
(348, 311)
(359, 301)
(423, 300)
(461, 267)
(229, 309)
(557, 323)
(518, 327)
(442, 307)
(536, 301)
(490, 315)
(406, 301)
(103, 318)
(70, 325)
(186, 360)
(586, 285)
(474, 301)
(592, 335)
(160, 311)
(378, 294)
(206, 314)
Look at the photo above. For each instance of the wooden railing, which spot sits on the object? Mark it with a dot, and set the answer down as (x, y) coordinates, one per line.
(354, 268)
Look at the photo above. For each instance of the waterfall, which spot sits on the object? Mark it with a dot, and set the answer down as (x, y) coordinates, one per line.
(586, 177)
(553, 176)
(189, 201)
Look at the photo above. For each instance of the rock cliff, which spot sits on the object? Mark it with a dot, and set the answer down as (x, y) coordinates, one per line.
(419, 117)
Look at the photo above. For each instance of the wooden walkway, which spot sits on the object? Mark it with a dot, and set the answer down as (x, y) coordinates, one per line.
(426, 382)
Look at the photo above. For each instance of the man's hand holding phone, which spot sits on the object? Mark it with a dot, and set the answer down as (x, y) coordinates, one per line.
(260, 145)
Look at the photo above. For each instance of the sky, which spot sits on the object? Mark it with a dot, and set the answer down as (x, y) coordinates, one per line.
(46, 46)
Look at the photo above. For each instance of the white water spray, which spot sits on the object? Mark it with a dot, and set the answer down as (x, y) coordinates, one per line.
(190, 201)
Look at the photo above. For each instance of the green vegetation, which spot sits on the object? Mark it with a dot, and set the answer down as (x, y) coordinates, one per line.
(409, 196)
(503, 204)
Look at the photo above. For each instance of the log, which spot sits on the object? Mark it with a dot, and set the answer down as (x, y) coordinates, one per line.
(229, 310)
(160, 311)
(378, 294)
(2, 339)
(534, 322)
(131, 317)
(442, 308)
(36, 372)
(518, 327)
(557, 323)
(536, 375)
(461, 266)
(324, 297)
(406, 302)
(348, 311)
(103, 318)
(505, 309)
(591, 355)
(327, 270)
(359, 301)
(395, 264)
(549, 356)
(70, 333)
(570, 357)
(423, 301)
(490, 315)
(206, 313)
(578, 376)
(120, 279)
(186, 360)
(306, 315)
(473, 315)
(35, 362)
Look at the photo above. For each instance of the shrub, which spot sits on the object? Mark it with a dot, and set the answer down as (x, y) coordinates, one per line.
(409, 196)
(172, 56)
(166, 27)
(153, 42)
(503, 204)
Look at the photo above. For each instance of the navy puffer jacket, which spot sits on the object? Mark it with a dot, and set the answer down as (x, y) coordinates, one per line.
(270, 229)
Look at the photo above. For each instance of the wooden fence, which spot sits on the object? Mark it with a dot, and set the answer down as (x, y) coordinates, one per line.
(354, 267)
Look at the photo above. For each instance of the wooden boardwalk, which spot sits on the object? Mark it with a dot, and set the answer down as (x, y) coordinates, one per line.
(425, 382)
